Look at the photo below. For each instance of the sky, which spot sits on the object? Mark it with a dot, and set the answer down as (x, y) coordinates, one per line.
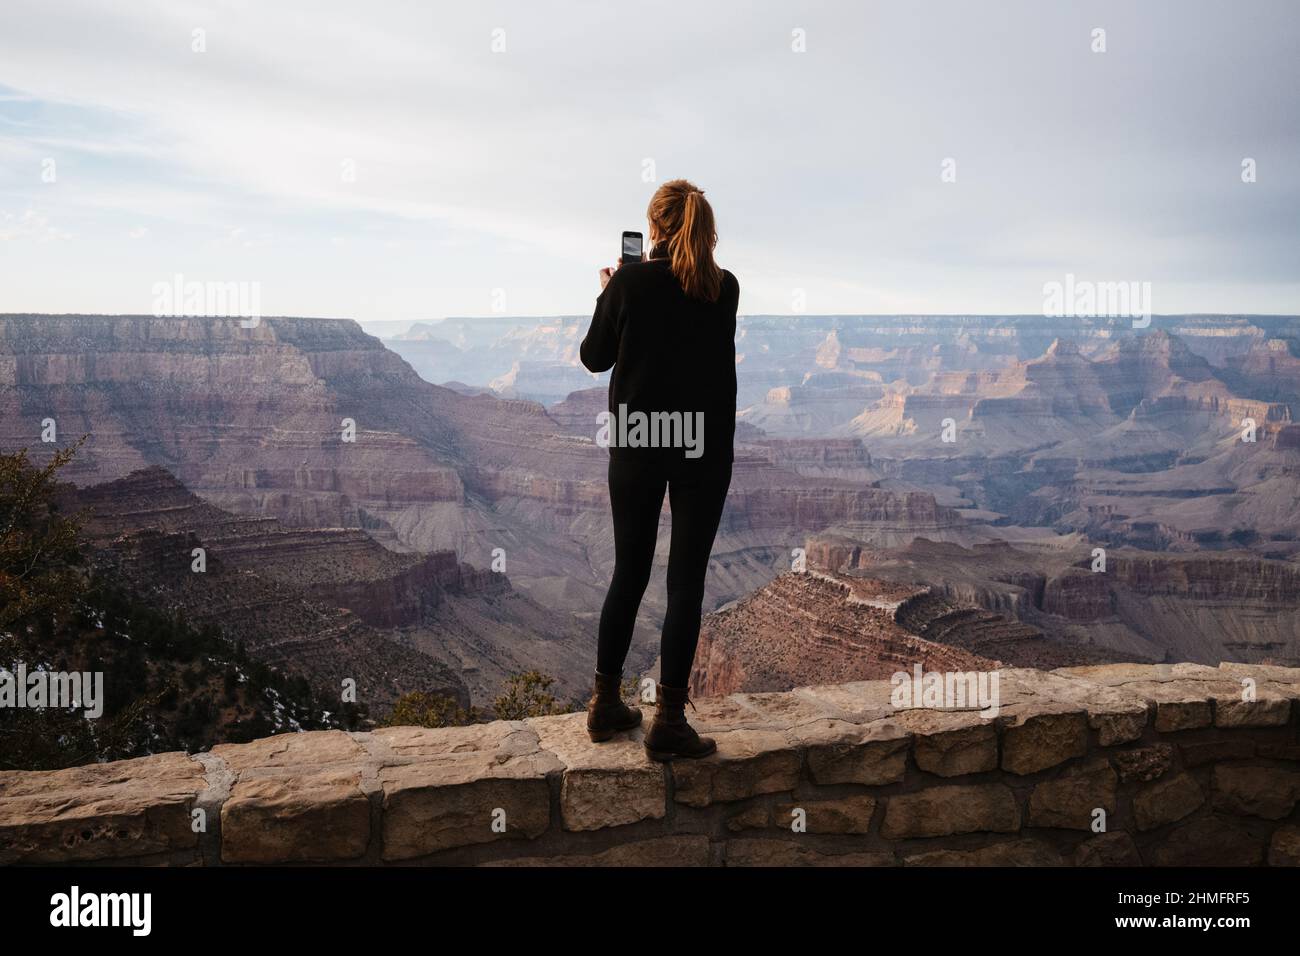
(394, 161)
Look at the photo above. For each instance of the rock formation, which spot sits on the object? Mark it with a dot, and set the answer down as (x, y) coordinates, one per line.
(267, 588)
(1152, 606)
(259, 422)
(331, 603)
(810, 626)
(821, 626)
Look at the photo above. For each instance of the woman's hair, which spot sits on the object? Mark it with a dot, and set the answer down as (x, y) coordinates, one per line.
(684, 217)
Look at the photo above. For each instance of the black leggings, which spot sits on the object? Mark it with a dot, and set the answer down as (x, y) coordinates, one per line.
(696, 493)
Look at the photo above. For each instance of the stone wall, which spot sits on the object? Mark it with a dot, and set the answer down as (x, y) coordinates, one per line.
(1187, 770)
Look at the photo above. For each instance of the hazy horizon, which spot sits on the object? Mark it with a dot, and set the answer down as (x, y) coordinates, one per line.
(387, 328)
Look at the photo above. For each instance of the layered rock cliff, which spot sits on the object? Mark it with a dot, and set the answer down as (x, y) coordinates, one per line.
(1205, 607)
(269, 589)
(318, 425)
(260, 421)
(811, 626)
(331, 603)
(819, 625)
(343, 567)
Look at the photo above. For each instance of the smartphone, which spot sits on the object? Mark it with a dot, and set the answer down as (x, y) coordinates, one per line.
(632, 242)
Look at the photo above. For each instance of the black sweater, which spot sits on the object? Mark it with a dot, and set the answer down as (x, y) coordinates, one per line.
(670, 354)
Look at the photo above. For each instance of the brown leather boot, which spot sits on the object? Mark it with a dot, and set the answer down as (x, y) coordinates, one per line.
(607, 715)
(670, 736)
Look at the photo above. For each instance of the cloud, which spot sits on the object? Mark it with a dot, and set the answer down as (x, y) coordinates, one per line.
(395, 122)
(29, 225)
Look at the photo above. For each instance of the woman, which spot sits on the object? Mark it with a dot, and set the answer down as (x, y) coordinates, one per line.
(667, 326)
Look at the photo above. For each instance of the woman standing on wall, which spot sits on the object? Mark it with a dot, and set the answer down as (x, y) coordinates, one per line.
(667, 326)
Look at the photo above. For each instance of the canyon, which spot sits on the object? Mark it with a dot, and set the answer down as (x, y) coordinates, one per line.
(1173, 448)
(322, 428)
(440, 494)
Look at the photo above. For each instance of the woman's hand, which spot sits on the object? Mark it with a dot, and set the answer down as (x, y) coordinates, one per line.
(607, 273)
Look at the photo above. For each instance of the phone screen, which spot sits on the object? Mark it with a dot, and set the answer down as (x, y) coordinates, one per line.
(631, 247)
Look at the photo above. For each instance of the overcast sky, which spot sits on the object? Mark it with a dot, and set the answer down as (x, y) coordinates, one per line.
(516, 170)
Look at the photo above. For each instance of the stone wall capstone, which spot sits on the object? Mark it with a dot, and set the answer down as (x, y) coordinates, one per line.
(1160, 765)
